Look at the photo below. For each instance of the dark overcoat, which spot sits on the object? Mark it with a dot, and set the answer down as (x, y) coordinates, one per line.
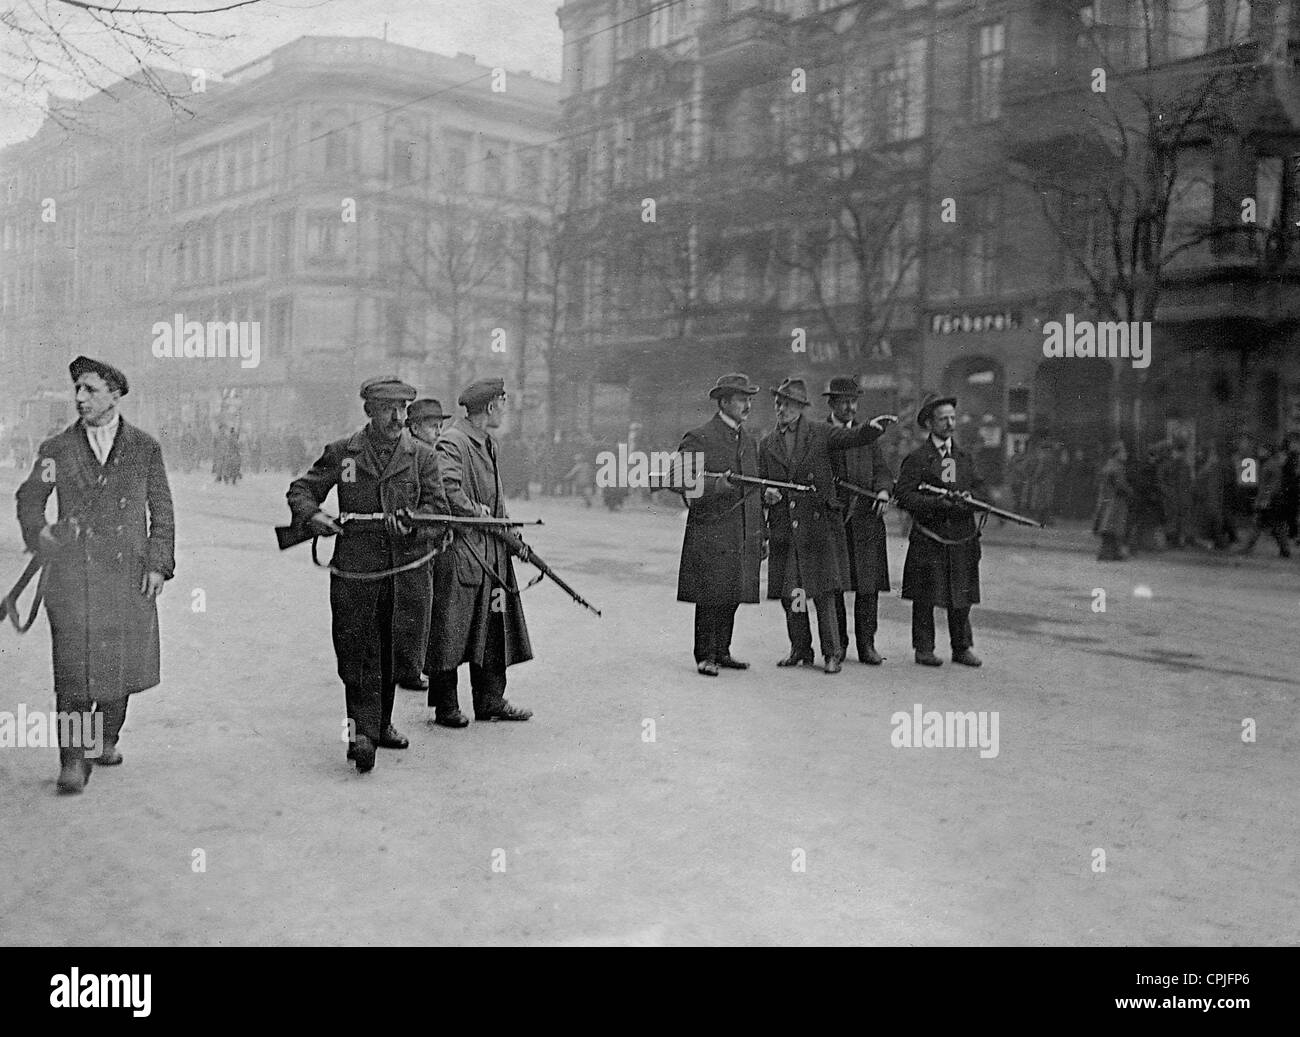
(864, 530)
(410, 480)
(104, 631)
(939, 574)
(477, 564)
(808, 549)
(722, 549)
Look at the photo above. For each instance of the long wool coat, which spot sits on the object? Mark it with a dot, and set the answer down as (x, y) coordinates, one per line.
(722, 549)
(808, 549)
(104, 631)
(864, 530)
(479, 563)
(935, 574)
(410, 480)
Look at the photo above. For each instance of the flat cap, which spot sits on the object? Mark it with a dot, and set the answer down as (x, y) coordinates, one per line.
(483, 391)
(113, 378)
(425, 410)
(387, 387)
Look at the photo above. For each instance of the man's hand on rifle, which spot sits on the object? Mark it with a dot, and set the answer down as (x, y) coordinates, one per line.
(324, 524)
(881, 502)
(771, 496)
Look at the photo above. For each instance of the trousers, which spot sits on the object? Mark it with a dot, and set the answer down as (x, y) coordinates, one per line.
(866, 605)
(799, 628)
(959, 629)
(714, 624)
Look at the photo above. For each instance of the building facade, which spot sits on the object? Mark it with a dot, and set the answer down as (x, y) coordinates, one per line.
(918, 191)
(333, 210)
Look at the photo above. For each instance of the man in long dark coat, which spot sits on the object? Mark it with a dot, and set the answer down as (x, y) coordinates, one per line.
(943, 551)
(424, 420)
(809, 560)
(864, 528)
(378, 624)
(105, 559)
(722, 549)
(479, 619)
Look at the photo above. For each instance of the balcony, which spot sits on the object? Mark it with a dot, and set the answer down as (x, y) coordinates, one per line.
(747, 44)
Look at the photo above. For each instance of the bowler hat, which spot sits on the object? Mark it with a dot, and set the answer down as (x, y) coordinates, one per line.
(113, 378)
(841, 385)
(929, 403)
(387, 387)
(485, 390)
(427, 409)
(730, 384)
(792, 389)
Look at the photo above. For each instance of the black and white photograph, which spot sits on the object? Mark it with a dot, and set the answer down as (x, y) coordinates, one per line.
(651, 473)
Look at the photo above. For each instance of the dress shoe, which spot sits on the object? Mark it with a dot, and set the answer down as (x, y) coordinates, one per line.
(453, 719)
(505, 711)
(73, 777)
(795, 659)
(870, 656)
(833, 664)
(928, 659)
(363, 752)
(392, 739)
(967, 658)
(109, 756)
(728, 663)
(417, 683)
(708, 668)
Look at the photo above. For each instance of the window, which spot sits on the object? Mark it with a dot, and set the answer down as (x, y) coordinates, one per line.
(654, 146)
(986, 88)
(1191, 205)
(982, 244)
(456, 164)
(494, 168)
(401, 153)
(900, 92)
(328, 240)
(897, 273)
(1236, 27)
(329, 142)
(284, 241)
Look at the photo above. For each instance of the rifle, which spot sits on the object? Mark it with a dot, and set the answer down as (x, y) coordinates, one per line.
(526, 554)
(862, 491)
(979, 505)
(291, 536)
(767, 484)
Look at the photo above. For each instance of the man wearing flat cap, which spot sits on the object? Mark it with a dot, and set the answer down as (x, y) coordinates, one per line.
(479, 618)
(722, 549)
(864, 526)
(943, 551)
(379, 623)
(105, 559)
(809, 561)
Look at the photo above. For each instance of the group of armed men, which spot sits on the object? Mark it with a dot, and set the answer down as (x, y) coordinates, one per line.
(823, 530)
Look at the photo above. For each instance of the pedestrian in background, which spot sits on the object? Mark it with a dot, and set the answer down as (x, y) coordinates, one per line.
(1111, 521)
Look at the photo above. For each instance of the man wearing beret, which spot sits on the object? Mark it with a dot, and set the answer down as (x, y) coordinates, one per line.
(943, 551)
(479, 619)
(105, 560)
(809, 557)
(379, 624)
(722, 549)
(864, 528)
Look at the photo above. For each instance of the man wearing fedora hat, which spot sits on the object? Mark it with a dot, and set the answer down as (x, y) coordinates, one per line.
(864, 528)
(105, 560)
(379, 623)
(722, 549)
(943, 551)
(809, 559)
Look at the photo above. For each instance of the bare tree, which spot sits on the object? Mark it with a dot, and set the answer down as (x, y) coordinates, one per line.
(60, 45)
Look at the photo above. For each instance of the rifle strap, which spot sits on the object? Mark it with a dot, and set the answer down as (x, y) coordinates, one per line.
(916, 524)
(9, 603)
(382, 574)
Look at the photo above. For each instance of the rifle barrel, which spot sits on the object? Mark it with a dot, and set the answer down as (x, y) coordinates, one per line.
(980, 505)
(766, 483)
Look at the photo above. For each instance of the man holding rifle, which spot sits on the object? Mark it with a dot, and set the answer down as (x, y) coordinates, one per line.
(723, 545)
(865, 470)
(809, 556)
(479, 619)
(943, 552)
(379, 621)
